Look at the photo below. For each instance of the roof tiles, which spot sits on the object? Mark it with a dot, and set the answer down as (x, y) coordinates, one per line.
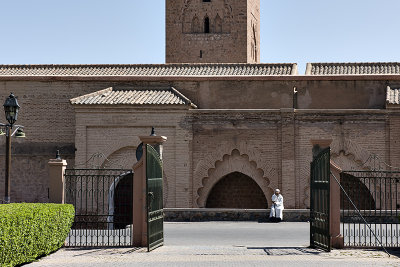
(150, 70)
(393, 96)
(352, 68)
(109, 96)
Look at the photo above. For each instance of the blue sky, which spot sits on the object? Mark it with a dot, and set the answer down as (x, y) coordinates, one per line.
(133, 31)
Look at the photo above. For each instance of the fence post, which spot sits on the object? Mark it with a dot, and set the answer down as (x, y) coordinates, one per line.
(337, 240)
(139, 237)
(56, 183)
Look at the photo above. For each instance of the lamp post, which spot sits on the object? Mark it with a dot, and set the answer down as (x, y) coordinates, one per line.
(11, 109)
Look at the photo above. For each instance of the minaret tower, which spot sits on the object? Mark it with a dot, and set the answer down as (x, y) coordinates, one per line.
(212, 31)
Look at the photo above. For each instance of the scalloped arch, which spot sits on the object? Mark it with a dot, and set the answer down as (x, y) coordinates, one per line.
(234, 162)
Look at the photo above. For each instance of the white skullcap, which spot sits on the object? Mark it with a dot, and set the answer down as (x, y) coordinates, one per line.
(277, 190)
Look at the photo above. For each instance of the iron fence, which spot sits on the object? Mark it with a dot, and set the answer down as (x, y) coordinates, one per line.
(375, 195)
(103, 207)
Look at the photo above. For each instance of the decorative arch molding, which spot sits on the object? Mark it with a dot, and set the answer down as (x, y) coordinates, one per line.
(121, 142)
(234, 162)
(352, 150)
(196, 25)
(185, 8)
(123, 158)
(208, 161)
(218, 24)
(189, 9)
(347, 155)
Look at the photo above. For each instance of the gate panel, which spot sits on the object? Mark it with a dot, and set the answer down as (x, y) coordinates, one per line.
(154, 185)
(103, 207)
(320, 201)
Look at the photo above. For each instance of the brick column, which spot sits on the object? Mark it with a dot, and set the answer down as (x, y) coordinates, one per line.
(139, 237)
(57, 183)
(287, 182)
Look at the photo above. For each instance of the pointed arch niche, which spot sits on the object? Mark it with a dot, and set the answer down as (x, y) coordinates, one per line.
(195, 24)
(232, 164)
(218, 24)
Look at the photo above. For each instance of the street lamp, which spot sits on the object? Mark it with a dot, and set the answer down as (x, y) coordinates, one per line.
(11, 109)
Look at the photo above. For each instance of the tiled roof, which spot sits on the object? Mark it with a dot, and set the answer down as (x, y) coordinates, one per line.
(150, 70)
(109, 96)
(393, 96)
(352, 68)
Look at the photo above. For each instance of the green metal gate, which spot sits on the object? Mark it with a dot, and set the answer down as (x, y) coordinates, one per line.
(319, 201)
(154, 188)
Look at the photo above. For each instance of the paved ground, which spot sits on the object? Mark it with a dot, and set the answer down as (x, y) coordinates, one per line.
(224, 244)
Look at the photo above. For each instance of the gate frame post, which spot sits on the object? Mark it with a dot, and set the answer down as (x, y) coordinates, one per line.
(56, 180)
(337, 240)
(139, 236)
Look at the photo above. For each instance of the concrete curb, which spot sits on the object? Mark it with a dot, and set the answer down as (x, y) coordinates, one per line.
(199, 215)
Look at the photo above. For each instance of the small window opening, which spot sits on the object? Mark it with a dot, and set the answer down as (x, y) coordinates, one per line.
(206, 0)
(201, 53)
(207, 25)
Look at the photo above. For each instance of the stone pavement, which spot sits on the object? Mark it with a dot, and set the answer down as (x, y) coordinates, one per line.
(224, 244)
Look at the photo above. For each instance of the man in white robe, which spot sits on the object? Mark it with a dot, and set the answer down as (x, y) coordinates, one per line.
(277, 207)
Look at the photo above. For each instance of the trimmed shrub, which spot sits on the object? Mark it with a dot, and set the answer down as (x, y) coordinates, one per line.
(28, 231)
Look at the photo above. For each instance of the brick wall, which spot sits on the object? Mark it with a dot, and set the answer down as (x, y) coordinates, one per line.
(244, 126)
(229, 42)
(115, 133)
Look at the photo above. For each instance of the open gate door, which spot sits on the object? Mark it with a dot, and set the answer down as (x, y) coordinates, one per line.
(154, 192)
(319, 201)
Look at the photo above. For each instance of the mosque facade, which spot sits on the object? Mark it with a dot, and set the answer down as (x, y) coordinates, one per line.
(237, 128)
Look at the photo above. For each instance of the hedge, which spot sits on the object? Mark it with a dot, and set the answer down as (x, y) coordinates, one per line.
(28, 231)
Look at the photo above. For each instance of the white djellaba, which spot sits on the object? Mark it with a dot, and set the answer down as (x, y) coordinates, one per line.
(277, 205)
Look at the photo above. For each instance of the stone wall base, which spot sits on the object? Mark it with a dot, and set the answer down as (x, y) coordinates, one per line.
(200, 215)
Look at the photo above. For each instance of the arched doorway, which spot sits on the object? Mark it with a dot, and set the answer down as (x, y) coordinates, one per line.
(358, 192)
(236, 190)
(121, 202)
(230, 163)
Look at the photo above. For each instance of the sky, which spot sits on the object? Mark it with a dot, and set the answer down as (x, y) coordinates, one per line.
(133, 31)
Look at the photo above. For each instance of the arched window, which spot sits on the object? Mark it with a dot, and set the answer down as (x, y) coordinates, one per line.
(195, 25)
(206, 25)
(218, 24)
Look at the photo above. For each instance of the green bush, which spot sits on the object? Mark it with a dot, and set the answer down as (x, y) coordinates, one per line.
(28, 231)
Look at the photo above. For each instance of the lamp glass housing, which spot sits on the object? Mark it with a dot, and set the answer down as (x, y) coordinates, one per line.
(20, 133)
(11, 108)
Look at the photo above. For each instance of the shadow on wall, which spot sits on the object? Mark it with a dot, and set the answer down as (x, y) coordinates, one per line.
(237, 191)
(120, 208)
